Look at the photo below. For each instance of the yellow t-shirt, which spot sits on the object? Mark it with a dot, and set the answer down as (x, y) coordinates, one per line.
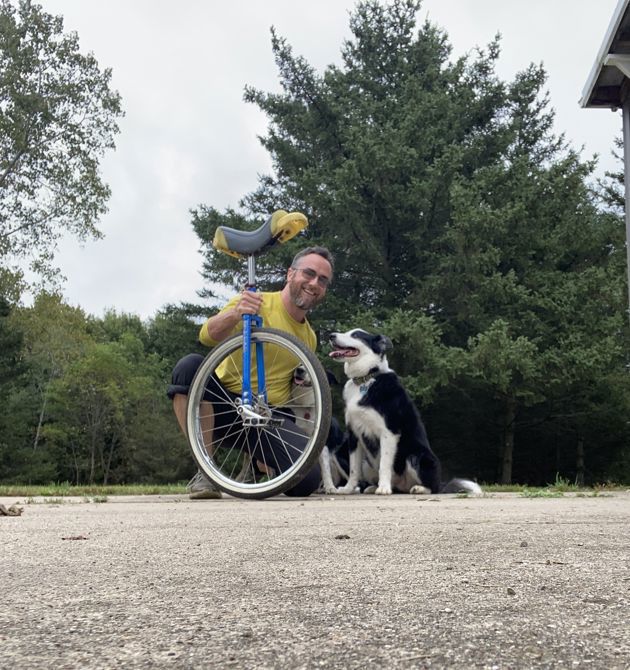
(279, 363)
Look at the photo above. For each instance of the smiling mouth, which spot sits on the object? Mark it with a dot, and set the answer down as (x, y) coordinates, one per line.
(343, 352)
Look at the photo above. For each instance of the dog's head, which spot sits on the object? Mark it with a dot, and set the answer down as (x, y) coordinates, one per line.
(360, 351)
(302, 378)
(301, 387)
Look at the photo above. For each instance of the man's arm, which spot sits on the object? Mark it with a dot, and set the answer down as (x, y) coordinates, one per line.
(220, 326)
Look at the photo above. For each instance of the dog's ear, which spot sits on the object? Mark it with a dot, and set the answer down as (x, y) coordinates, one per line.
(332, 380)
(383, 343)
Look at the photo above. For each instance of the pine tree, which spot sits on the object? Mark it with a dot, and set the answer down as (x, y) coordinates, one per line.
(446, 196)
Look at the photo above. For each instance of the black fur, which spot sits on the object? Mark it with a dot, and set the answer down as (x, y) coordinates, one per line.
(374, 386)
(389, 398)
(378, 343)
(337, 444)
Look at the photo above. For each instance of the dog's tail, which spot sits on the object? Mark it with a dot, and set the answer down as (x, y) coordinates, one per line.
(461, 486)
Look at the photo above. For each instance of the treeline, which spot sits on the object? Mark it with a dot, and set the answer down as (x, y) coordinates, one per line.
(83, 398)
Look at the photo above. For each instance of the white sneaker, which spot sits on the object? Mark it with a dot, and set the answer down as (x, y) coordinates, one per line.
(200, 488)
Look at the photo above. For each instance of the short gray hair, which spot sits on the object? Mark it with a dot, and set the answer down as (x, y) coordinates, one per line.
(320, 251)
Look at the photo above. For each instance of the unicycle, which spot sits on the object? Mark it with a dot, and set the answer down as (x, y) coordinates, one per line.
(231, 433)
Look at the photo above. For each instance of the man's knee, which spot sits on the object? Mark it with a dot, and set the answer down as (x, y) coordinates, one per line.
(183, 374)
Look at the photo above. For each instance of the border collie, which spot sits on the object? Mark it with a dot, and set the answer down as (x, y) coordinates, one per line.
(333, 459)
(387, 440)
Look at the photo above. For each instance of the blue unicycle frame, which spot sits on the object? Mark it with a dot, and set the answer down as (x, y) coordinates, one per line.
(250, 320)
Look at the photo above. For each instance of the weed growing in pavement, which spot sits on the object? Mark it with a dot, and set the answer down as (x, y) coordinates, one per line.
(563, 484)
(541, 493)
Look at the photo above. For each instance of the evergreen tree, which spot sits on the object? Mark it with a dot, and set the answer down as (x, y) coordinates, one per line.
(447, 198)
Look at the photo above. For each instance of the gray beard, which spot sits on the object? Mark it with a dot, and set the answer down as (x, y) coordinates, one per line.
(300, 301)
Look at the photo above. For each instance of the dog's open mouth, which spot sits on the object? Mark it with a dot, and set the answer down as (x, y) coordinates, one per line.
(343, 352)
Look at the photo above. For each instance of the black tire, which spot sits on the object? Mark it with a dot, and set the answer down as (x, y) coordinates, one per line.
(227, 460)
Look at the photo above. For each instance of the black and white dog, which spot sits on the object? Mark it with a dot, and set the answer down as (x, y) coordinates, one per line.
(384, 426)
(334, 457)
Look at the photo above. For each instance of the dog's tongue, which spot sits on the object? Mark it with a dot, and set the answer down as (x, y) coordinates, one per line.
(342, 353)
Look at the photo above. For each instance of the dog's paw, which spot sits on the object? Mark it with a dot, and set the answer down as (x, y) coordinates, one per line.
(418, 489)
(330, 489)
(369, 489)
(383, 491)
(345, 490)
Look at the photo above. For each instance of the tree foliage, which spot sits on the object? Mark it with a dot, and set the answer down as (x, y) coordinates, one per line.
(462, 227)
(57, 118)
(85, 397)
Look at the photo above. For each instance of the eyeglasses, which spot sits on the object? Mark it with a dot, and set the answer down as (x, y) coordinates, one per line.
(310, 274)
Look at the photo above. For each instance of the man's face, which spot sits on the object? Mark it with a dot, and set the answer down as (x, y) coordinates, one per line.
(308, 282)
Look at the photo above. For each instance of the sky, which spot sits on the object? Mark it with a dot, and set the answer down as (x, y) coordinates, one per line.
(188, 138)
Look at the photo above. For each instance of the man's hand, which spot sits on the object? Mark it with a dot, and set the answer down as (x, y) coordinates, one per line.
(222, 324)
(250, 303)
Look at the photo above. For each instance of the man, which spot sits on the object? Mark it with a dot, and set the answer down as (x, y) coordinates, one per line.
(306, 284)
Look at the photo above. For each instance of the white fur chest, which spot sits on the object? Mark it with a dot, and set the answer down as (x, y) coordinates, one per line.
(362, 419)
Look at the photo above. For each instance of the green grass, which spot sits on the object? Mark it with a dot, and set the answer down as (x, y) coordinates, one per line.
(99, 494)
(541, 493)
(555, 490)
(92, 493)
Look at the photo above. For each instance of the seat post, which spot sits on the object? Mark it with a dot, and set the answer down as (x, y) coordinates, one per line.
(251, 271)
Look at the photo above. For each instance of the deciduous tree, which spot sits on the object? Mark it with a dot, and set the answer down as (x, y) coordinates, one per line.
(58, 115)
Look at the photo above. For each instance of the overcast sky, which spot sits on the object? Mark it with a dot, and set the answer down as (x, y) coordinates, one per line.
(188, 138)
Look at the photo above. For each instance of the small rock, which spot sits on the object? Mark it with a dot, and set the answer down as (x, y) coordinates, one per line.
(511, 591)
(342, 537)
(14, 510)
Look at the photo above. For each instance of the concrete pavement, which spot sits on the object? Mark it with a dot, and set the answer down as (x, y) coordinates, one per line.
(500, 581)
